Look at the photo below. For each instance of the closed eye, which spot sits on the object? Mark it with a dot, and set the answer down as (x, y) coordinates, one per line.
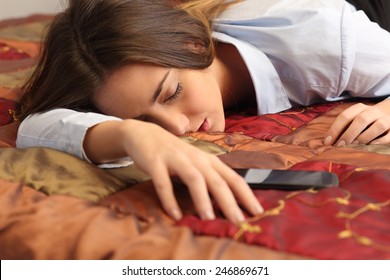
(176, 94)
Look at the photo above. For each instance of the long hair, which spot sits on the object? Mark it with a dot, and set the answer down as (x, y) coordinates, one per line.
(92, 38)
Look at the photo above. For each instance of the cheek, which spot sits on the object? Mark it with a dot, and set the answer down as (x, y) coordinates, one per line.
(206, 94)
(104, 104)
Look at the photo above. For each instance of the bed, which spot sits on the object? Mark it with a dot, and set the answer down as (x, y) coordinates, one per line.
(55, 206)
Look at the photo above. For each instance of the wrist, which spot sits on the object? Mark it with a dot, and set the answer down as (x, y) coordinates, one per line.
(384, 106)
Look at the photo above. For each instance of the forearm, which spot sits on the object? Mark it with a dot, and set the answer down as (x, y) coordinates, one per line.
(161, 154)
(105, 142)
(155, 151)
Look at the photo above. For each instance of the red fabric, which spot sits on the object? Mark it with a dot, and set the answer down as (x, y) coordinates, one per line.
(354, 217)
(7, 111)
(10, 53)
(348, 222)
(265, 127)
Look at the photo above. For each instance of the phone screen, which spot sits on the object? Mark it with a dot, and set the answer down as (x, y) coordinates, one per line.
(288, 179)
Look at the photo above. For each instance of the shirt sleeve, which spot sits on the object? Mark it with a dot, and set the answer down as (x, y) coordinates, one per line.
(63, 130)
(370, 75)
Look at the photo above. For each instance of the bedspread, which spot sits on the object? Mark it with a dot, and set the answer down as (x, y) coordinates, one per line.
(55, 206)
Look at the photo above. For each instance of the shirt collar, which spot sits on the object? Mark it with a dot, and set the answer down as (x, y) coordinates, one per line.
(270, 94)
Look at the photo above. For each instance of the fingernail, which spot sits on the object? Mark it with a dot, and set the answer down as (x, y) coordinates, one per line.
(355, 142)
(258, 209)
(376, 143)
(328, 140)
(209, 215)
(176, 214)
(240, 217)
(341, 143)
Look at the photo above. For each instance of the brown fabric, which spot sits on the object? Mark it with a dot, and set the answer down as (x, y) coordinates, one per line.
(54, 172)
(54, 206)
(96, 200)
(36, 226)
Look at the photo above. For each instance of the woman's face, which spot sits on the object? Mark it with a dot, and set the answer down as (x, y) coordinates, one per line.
(179, 100)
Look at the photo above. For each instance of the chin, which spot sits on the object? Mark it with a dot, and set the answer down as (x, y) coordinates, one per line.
(218, 128)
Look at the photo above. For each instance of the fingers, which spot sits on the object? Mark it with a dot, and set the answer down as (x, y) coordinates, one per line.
(204, 177)
(385, 139)
(162, 155)
(377, 133)
(220, 190)
(192, 178)
(227, 188)
(240, 189)
(341, 124)
(163, 186)
(359, 124)
(197, 187)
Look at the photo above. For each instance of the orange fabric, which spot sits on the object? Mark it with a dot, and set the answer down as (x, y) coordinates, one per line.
(129, 225)
(354, 217)
(349, 222)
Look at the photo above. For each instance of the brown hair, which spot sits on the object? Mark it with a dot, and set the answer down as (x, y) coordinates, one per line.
(92, 38)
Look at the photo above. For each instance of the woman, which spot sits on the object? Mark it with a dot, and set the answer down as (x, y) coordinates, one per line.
(132, 68)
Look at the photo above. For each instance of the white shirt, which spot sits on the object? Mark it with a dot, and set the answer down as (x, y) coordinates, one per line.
(297, 53)
(304, 51)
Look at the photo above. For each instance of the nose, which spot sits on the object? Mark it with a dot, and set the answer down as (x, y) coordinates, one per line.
(173, 121)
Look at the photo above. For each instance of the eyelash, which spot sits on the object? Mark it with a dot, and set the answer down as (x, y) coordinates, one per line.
(176, 94)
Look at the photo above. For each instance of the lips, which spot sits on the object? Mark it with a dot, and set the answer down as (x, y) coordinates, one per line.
(205, 126)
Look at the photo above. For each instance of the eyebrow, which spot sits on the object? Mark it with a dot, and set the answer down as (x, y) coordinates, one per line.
(158, 91)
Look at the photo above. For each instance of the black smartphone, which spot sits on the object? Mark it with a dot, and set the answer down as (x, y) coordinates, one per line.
(288, 179)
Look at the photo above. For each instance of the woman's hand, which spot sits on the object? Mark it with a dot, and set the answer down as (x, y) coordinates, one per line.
(361, 124)
(162, 155)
